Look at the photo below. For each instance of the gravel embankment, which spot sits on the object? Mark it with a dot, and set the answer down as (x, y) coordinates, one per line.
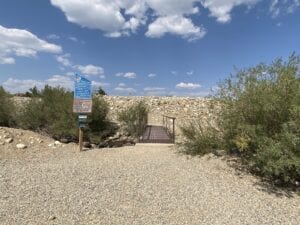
(133, 185)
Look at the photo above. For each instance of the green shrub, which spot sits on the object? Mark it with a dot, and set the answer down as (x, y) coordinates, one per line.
(260, 118)
(51, 112)
(99, 127)
(134, 118)
(7, 109)
(201, 139)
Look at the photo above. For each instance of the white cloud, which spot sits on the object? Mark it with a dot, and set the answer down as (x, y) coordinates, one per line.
(122, 85)
(74, 39)
(221, 9)
(7, 60)
(65, 81)
(53, 37)
(19, 86)
(22, 43)
(154, 89)
(281, 7)
(293, 6)
(64, 59)
(91, 70)
(117, 18)
(96, 84)
(151, 75)
(173, 7)
(125, 90)
(177, 25)
(183, 85)
(174, 72)
(189, 73)
(104, 15)
(61, 81)
(129, 75)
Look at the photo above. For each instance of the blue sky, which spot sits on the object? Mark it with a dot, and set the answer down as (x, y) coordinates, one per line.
(141, 47)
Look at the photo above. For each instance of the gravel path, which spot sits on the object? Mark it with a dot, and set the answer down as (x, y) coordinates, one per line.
(143, 184)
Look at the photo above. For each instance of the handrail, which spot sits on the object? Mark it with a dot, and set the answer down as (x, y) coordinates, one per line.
(167, 125)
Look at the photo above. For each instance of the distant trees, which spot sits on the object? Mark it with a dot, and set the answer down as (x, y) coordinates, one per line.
(100, 91)
(33, 92)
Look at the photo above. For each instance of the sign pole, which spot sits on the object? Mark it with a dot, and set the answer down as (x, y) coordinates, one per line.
(80, 139)
(82, 103)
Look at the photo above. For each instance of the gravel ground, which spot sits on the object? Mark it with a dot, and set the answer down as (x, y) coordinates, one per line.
(143, 184)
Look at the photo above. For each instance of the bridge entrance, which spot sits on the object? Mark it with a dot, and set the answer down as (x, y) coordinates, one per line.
(160, 134)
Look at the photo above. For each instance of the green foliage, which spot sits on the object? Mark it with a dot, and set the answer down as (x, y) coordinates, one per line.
(33, 92)
(201, 139)
(260, 118)
(100, 91)
(51, 112)
(134, 118)
(99, 127)
(7, 109)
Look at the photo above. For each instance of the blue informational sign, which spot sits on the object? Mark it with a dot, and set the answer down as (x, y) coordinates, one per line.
(83, 88)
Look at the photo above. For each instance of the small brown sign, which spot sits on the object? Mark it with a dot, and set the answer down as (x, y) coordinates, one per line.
(82, 106)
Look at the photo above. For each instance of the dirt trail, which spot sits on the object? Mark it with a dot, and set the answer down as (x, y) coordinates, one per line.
(143, 184)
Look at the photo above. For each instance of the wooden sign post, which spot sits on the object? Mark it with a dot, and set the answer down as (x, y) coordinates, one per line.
(80, 138)
(82, 104)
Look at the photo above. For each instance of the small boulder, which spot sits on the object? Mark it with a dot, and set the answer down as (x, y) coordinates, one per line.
(9, 140)
(87, 144)
(52, 218)
(220, 152)
(57, 144)
(21, 146)
(103, 144)
(65, 140)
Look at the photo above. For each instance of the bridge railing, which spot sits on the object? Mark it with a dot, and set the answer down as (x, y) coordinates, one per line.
(169, 125)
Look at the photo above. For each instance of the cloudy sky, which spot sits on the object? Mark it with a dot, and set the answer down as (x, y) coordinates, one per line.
(141, 47)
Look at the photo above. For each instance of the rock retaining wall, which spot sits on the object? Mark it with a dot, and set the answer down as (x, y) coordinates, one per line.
(184, 109)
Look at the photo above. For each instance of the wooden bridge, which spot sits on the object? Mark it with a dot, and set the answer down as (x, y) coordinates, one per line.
(160, 134)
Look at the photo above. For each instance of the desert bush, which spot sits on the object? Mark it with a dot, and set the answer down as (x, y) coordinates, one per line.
(260, 118)
(7, 109)
(51, 112)
(201, 139)
(99, 127)
(134, 119)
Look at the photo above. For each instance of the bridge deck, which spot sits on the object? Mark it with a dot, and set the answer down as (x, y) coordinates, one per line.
(155, 134)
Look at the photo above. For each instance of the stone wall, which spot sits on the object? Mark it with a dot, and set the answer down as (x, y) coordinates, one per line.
(184, 109)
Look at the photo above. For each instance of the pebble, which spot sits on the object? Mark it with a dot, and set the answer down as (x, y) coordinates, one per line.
(52, 218)
(9, 140)
(21, 146)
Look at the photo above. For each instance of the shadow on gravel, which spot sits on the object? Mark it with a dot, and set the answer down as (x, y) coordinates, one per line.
(241, 170)
(261, 184)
